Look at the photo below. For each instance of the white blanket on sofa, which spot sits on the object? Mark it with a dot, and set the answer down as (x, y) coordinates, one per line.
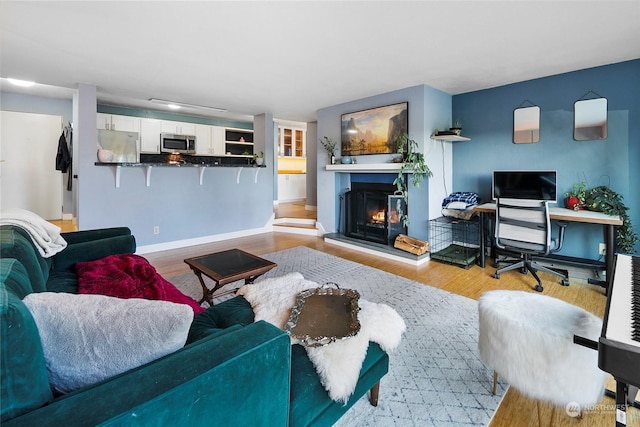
(338, 364)
(45, 236)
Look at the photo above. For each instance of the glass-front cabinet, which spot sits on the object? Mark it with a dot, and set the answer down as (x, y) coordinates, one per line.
(291, 141)
(299, 145)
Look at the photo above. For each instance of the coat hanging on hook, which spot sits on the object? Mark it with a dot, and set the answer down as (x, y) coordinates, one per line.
(63, 156)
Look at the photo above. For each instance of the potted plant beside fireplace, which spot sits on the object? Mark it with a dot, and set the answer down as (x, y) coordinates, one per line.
(412, 163)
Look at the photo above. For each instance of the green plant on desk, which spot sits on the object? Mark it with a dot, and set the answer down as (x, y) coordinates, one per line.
(603, 199)
(577, 197)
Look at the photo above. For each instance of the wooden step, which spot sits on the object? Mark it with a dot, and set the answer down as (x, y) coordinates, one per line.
(296, 226)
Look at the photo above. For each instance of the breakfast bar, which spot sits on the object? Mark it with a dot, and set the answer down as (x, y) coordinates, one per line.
(199, 162)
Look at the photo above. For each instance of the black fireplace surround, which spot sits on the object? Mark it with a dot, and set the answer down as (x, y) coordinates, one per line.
(371, 212)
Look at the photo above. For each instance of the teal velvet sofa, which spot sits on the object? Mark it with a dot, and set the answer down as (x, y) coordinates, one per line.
(231, 371)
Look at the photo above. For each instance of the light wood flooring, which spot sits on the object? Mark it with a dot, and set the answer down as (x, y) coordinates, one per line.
(66, 226)
(515, 409)
(294, 210)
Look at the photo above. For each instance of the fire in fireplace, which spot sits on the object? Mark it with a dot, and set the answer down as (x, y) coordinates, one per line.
(378, 218)
(371, 213)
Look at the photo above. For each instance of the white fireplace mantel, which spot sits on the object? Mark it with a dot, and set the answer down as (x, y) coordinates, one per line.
(365, 168)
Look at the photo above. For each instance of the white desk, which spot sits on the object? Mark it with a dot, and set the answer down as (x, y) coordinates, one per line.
(608, 222)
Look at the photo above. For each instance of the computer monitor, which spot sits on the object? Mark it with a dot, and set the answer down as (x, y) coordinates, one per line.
(534, 185)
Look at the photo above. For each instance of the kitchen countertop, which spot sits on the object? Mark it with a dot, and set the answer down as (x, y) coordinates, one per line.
(151, 161)
(177, 161)
(291, 171)
(179, 165)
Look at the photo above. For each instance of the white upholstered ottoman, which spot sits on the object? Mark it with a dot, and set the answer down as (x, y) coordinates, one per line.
(527, 339)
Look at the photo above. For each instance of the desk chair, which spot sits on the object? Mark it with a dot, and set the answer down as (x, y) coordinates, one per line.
(523, 228)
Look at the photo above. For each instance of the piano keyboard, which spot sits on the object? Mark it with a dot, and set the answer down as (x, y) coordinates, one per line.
(635, 298)
(619, 345)
(620, 324)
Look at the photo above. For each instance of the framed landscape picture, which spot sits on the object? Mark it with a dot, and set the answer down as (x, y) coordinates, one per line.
(374, 131)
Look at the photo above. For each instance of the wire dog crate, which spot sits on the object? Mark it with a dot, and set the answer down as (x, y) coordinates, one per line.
(455, 241)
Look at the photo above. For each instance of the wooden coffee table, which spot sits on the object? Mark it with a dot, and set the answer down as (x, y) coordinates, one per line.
(226, 267)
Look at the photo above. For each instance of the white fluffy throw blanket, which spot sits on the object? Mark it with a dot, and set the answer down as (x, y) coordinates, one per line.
(45, 236)
(338, 364)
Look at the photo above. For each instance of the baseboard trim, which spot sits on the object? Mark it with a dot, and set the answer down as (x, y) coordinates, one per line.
(177, 244)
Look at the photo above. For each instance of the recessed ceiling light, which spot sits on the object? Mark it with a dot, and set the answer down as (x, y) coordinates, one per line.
(175, 105)
(21, 83)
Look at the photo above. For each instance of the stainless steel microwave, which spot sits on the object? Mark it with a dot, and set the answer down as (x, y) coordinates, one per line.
(172, 143)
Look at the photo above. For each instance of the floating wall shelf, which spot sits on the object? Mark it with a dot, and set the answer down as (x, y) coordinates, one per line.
(452, 138)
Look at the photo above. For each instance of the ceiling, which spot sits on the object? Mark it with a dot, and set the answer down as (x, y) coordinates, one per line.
(293, 58)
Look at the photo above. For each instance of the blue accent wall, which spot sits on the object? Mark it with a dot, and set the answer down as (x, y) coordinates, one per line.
(615, 161)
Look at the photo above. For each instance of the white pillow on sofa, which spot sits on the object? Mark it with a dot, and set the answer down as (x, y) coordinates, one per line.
(89, 338)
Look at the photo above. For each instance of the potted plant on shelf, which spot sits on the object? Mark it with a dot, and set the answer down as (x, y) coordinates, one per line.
(330, 147)
(413, 162)
(457, 126)
(576, 198)
(603, 199)
(259, 158)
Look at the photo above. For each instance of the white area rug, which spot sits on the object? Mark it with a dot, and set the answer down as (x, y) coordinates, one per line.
(435, 376)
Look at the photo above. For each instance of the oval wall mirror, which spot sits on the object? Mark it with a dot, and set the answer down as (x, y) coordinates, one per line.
(526, 125)
(590, 119)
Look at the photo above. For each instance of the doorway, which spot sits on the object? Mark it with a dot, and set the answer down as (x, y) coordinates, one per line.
(28, 176)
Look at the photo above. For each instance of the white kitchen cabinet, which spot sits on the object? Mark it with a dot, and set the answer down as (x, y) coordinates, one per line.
(103, 121)
(179, 128)
(203, 140)
(150, 135)
(117, 122)
(210, 140)
(292, 142)
(218, 140)
(292, 186)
